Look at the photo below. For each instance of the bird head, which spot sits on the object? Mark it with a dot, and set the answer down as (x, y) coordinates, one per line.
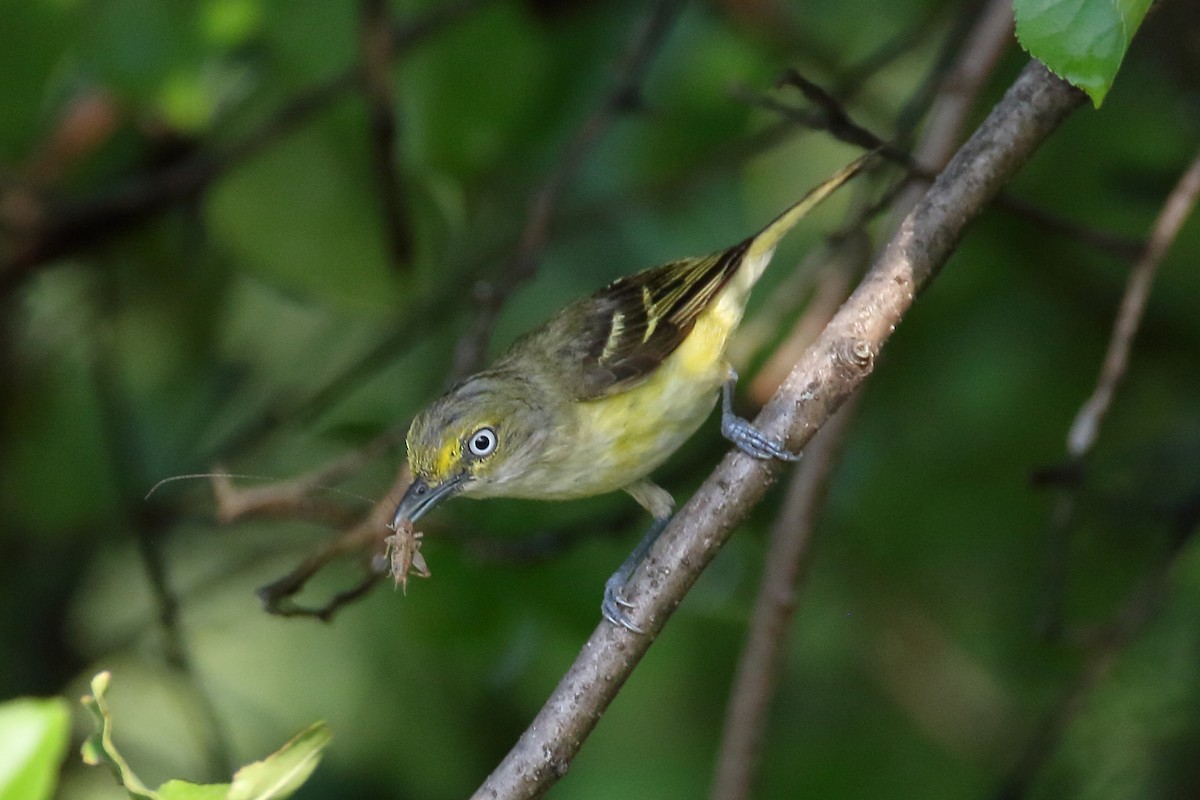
(477, 439)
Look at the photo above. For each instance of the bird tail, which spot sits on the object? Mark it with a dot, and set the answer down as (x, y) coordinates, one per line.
(762, 244)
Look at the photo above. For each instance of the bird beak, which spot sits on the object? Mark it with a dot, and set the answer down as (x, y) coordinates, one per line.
(421, 497)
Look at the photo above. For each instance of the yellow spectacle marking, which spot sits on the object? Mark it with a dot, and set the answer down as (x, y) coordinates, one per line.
(447, 457)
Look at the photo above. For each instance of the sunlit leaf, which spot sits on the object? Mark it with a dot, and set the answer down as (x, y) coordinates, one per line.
(182, 790)
(284, 771)
(33, 741)
(1081, 41)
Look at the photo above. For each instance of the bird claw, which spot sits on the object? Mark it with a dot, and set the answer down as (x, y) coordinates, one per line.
(753, 442)
(749, 439)
(614, 607)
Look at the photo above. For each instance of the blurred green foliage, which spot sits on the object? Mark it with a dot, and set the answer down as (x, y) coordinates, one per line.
(33, 739)
(275, 777)
(256, 321)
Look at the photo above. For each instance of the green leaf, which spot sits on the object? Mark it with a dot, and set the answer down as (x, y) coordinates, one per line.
(284, 771)
(99, 748)
(1081, 41)
(182, 790)
(276, 776)
(33, 741)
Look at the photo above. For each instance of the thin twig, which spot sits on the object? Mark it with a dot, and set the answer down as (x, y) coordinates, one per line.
(1086, 426)
(377, 51)
(833, 116)
(829, 116)
(1175, 210)
(855, 78)
(624, 96)
(1115, 244)
(292, 497)
(959, 89)
(367, 535)
(762, 656)
(967, 80)
(1029, 112)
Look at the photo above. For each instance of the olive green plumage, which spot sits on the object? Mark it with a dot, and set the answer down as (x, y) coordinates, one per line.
(602, 393)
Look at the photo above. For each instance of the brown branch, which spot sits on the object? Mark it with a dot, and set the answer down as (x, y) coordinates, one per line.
(625, 95)
(762, 656)
(1029, 112)
(293, 497)
(367, 535)
(377, 51)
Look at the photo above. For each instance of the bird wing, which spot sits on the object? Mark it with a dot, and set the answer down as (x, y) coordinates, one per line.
(616, 338)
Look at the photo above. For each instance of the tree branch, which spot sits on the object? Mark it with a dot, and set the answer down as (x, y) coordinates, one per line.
(368, 533)
(1029, 112)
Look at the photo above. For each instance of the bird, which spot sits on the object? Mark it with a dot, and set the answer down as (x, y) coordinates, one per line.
(603, 393)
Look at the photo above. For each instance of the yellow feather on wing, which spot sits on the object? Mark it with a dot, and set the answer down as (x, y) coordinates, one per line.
(613, 340)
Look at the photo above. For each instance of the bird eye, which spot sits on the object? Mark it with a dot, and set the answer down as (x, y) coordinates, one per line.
(482, 442)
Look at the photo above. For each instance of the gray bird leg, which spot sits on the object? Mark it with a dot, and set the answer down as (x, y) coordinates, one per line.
(659, 503)
(749, 439)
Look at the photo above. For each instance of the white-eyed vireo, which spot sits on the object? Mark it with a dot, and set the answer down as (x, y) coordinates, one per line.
(603, 393)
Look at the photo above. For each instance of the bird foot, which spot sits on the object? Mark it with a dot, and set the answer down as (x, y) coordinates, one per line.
(749, 439)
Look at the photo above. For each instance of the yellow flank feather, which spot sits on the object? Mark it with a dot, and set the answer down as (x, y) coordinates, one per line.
(626, 436)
